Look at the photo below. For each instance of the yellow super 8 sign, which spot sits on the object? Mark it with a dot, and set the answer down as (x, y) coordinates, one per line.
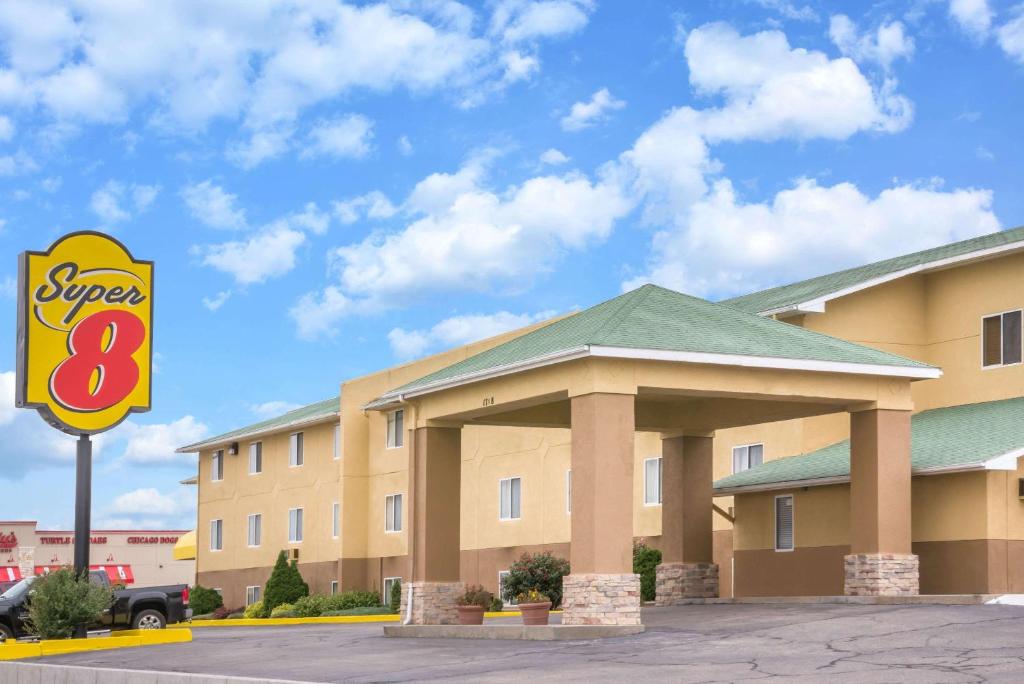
(85, 320)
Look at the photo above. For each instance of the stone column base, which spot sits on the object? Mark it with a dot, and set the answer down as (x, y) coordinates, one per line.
(677, 581)
(601, 599)
(882, 574)
(433, 603)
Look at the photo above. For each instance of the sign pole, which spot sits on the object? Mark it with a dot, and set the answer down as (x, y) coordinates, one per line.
(83, 509)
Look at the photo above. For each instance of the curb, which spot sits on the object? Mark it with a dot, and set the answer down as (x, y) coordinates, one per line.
(333, 620)
(128, 638)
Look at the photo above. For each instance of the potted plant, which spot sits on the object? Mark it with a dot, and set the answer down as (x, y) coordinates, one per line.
(472, 604)
(534, 606)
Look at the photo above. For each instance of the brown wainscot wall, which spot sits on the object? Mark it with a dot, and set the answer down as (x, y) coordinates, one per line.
(232, 583)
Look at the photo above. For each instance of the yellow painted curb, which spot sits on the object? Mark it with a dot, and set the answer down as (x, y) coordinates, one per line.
(332, 620)
(124, 639)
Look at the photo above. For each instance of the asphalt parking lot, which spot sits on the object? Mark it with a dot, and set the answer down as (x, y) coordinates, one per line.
(718, 643)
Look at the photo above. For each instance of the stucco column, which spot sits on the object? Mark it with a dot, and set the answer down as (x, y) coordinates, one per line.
(687, 569)
(435, 480)
(602, 588)
(880, 560)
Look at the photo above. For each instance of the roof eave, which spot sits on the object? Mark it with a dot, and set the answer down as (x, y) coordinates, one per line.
(218, 441)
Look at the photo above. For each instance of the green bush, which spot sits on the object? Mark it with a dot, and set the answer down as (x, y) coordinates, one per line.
(374, 610)
(284, 586)
(283, 610)
(496, 605)
(645, 560)
(236, 616)
(395, 600)
(61, 601)
(203, 616)
(203, 600)
(318, 604)
(475, 595)
(254, 610)
(542, 572)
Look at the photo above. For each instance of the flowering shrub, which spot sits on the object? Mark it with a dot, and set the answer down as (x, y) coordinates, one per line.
(531, 596)
(542, 572)
(475, 595)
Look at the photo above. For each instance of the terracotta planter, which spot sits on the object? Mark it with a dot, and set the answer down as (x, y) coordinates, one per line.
(535, 613)
(471, 615)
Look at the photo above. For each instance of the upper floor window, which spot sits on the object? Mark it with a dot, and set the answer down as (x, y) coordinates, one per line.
(784, 523)
(1001, 339)
(294, 525)
(295, 449)
(216, 535)
(652, 481)
(568, 492)
(337, 442)
(335, 519)
(255, 529)
(255, 458)
(396, 428)
(217, 466)
(510, 494)
(747, 456)
(393, 513)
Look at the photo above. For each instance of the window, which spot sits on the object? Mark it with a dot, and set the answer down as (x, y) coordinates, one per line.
(652, 481)
(252, 595)
(747, 456)
(337, 442)
(389, 582)
(295, 525)
(502, 574)
(295, 450)
(255, 529)
(393, 513)
(784, 523)
(1001, 339)
(255, 458)
(568, 492)
(396, 428)
(509, 494)
(216, 535)
(335, 519)
(334, 587)
(217, 466)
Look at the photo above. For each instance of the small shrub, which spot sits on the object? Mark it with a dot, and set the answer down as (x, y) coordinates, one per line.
(236, 615)
(645, 560)
(395, 600)
(542, 572)
(254, 610)
(285, 584)
(369, 610)
(220, 613)
(203, 600)
(311, 606)
(531, 596)
(61, 601)
(203, 616)
(496, 605)
(475, 595)
(283, 610)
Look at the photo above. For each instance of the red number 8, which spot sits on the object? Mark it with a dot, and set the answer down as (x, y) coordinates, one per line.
(71, 382)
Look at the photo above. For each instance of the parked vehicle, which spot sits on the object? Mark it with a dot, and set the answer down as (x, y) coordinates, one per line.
(142, 608)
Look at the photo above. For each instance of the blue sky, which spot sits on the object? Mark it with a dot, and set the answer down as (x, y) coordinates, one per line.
(328, 189)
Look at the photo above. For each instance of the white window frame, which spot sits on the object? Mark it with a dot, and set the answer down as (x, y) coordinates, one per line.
(395, 437)
(218, 538)
(258, 517)
(297, 527)
(792, 522)
(647, 497)
(337, 442)
(568, 491)
(335, 520)
(747, 447)
(255, 458)
(296, 450)
(252, 594)
(386, 589)
(217, 466)
(982, 339)
(389, 520)
(511, 507)
(502, 574)
(334, 587)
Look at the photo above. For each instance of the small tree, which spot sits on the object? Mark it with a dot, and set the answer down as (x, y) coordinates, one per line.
(285, 584)
(645, 560)
(540, 571)
(395, 600)
(61, 601)
(204, 601)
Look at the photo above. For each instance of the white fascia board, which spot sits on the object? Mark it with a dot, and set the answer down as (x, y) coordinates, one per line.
(925, 372)
(199, 446)
(817, 305)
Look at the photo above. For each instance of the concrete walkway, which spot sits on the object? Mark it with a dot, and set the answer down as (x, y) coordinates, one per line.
(714, 643)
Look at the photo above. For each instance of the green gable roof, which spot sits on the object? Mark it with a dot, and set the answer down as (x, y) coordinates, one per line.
(954, 437)
(305, 414)
(654, 318)
(785, 296)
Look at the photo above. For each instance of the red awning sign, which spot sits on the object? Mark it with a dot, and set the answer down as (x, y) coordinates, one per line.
(9, 573)
(118, 574)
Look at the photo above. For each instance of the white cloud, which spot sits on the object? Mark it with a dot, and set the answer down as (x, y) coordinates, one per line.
(6, 128)
(267, 254)
(349, 136)
(214, 206)
(8, 288)
(218, 300)
(519, 20)
(459, 330)
(404, 146)
(311, 219)
(261, 146)
(553, 157)
(585, 114)
(317, 314)
(973, 16)
(1011, 35)
(373, 205)
(270, 409)
(151, 501)
(156, 442)
(110, 201)
(789, 10)
(884, 46)
(51, 184)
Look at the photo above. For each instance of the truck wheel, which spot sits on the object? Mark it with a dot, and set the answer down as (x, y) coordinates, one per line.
(7, 632)
(149, 619)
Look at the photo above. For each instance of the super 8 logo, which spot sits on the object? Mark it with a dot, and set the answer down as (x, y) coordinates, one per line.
(85, 310)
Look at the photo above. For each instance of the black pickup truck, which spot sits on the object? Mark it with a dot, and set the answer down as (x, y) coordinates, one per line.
(144, 608)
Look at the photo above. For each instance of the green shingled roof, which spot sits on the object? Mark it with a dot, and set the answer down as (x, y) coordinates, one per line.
(304, 414)
(655, 318)
(954, 437)
(786, 296)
